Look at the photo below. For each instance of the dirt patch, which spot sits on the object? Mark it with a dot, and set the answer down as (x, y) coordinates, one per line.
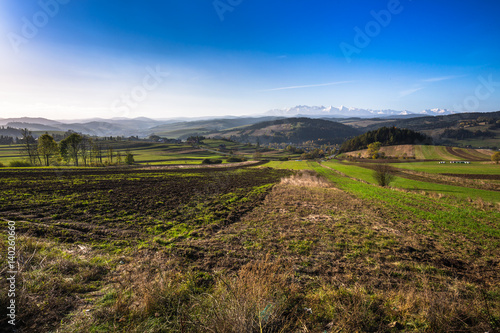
(486, 152)
(472, 176)
(462, 154)
(216, 166)
(400, 150)
(308, 179)
(129, 204)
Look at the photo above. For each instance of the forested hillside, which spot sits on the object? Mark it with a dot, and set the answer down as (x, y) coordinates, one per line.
(292, 130)
(387, 136)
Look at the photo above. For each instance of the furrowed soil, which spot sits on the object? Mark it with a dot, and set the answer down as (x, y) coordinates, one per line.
(109, 205)
(243, 250)
(463, 154)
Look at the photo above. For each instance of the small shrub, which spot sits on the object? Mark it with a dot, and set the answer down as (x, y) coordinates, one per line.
(129, 159)
(496, 157)
(19, 164)
(233, 159)
(383, 174)
(1, 165)
(211, 161)
(284, 158)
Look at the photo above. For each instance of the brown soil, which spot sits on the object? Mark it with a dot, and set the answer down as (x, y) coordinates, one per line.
(472, 176)
(462, 154)
(115, 204)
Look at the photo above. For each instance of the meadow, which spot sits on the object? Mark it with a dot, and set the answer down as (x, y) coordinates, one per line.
(148, 153)
(285, 246)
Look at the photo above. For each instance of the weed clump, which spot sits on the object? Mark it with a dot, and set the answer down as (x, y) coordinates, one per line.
(20, 164)
(233, 159)
(211, 161)
(260, 297)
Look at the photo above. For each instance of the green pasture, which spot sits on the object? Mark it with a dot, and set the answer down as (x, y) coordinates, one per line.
(146, 153)
(434, 167)
(10, 153)
(415, 185)
(433, 153)
(291, 165)
(366, 175)
(451, 214)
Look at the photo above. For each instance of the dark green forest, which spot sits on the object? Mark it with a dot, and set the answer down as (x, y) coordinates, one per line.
(387, 136)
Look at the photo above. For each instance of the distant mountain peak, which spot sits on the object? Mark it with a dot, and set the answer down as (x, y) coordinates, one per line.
(346, 112)
(437, 111)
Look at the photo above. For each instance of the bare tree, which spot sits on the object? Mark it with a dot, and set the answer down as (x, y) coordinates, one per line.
(97, 151)
(29, 147)
(383, 174)
(85, 149)
(110, 152)
(118, 157)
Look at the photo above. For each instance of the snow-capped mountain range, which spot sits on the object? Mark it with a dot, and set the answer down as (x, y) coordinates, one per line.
(345, 112)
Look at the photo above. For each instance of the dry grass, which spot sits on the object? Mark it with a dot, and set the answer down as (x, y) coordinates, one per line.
(417, 306)
(307, 178)
(48, 283)
(395, 151)
(260, 297)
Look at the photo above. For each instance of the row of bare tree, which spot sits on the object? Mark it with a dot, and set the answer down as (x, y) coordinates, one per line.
(75, 148)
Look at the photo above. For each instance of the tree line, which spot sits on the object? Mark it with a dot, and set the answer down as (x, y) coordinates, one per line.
(387, 136)
(75, 148)
(461, 134)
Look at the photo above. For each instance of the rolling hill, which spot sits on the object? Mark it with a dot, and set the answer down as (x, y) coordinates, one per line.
(478, 129)
(184, 129)
(291, 130)
(427, 152)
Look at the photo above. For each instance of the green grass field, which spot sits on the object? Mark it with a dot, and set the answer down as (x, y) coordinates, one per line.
(447, 213)
(434, 167)
(366, 175)
(415, 185)
(291, 165)
(10, 153)
(161, 153)
(433, 153)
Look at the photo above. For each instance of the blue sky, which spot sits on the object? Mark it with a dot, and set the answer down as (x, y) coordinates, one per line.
(69, 59)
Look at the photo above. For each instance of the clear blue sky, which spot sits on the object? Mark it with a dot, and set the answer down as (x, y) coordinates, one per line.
(94, 58)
